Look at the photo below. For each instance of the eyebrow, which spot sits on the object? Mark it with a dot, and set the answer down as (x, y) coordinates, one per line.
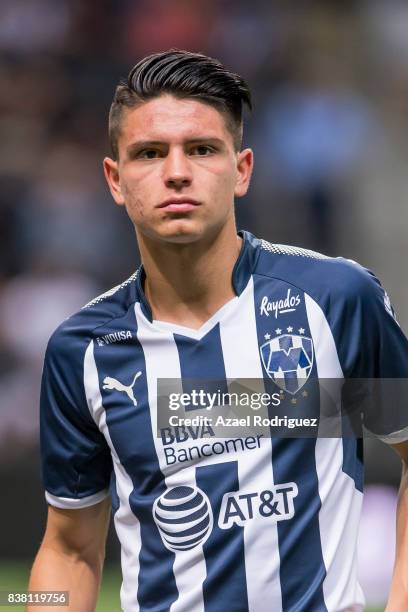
(144, 144)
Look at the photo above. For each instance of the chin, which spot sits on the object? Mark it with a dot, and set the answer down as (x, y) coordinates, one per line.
(181, 237)
(181, 231)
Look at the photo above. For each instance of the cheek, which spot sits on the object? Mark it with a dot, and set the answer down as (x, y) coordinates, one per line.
(138, 189)
(227, 176)
(135, 201)
(224, 184)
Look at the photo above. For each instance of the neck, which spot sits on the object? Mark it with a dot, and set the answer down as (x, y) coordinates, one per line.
(188, 283)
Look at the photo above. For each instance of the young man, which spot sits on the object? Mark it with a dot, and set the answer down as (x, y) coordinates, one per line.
(207, 524)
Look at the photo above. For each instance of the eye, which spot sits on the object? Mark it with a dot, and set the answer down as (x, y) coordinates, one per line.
(148, 154)
(202, 150)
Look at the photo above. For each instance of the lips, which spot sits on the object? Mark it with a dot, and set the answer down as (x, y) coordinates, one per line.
(179, 205)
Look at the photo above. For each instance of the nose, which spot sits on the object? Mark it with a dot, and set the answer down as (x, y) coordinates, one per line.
(177, 170)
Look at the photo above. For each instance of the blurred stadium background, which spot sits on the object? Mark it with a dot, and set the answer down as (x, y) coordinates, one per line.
(330, 84)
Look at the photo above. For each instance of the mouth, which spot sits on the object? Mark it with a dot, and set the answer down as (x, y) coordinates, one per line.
(179, 205)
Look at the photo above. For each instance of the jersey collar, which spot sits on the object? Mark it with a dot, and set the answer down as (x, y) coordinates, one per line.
(241, 272)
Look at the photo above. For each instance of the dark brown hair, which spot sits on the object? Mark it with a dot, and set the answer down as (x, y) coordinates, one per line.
(184, 75)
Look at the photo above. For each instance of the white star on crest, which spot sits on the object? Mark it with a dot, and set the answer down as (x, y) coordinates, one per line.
(267, 336)
(278, 331)
(290, 329)
(301, 330)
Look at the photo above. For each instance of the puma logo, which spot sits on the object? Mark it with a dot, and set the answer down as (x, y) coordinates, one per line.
(111, 384)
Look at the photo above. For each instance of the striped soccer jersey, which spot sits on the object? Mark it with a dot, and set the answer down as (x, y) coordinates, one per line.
(208, 524)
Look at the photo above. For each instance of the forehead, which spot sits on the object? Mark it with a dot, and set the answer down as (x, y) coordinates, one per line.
(169, 118)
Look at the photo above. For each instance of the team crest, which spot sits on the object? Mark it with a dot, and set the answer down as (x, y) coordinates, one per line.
(288, 360)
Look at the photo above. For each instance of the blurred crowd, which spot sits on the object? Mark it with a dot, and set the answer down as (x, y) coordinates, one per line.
(330, 88)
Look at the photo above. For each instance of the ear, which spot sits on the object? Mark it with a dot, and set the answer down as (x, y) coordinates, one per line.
(245, 164)
(111, 171)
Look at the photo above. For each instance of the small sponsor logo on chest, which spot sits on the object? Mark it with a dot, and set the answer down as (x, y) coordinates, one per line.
(277, 307)
(113, 337)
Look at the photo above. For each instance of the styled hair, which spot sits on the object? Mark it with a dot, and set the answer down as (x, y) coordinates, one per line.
(184, 75)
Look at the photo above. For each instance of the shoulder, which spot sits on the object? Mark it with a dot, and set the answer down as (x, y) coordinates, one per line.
(320, 276)
(75, 333)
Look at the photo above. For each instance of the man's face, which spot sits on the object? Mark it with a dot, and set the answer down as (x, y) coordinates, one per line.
(177, 171)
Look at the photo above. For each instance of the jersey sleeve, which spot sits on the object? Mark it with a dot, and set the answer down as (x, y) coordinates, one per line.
(76, 462)
(375, 357)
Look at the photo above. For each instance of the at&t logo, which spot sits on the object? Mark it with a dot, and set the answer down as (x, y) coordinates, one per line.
(184, 517)
(275, 504)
